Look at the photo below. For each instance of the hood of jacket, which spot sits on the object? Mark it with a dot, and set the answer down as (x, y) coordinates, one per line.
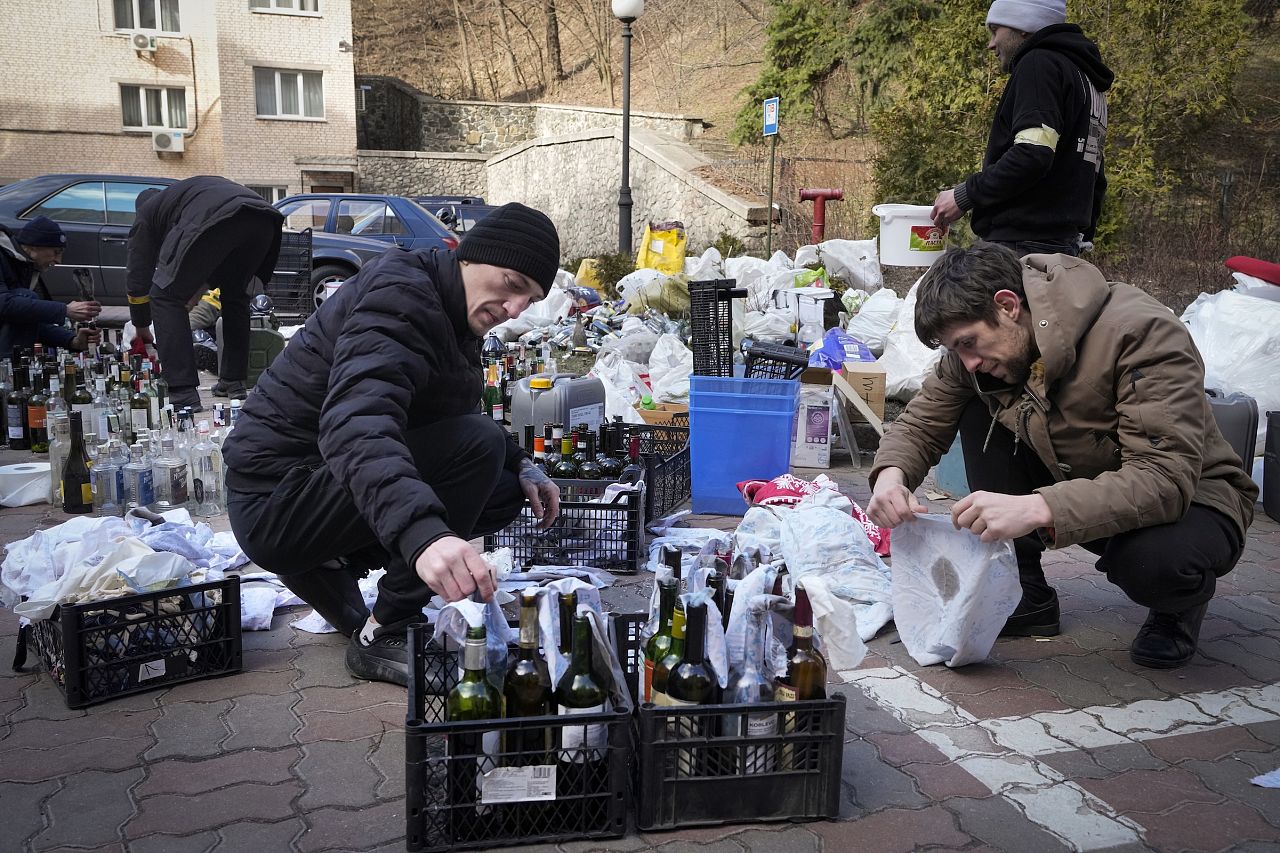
(1070, 41)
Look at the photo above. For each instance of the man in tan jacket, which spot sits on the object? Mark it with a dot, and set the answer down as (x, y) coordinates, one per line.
(1097, 432)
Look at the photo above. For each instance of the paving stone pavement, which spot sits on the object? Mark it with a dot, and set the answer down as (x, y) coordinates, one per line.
(1055, 744)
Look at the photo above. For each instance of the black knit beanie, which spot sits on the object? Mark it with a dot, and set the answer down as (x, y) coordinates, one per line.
(518, 238)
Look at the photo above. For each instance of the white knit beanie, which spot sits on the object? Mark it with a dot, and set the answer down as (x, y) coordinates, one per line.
(1027, 15)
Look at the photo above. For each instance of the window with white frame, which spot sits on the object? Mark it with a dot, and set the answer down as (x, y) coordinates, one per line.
(286, 5)
(270, 193)
(158, 15)
(147, 107)
(282, 93)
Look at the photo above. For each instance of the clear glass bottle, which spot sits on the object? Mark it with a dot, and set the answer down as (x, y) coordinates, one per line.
(102, 408)
(59, 443)
(169, 473)
(138, 483)
(748, 686)
(206, 475)
(108, 479)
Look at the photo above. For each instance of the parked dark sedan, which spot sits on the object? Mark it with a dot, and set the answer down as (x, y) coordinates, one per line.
(96, 212)
(392, 219)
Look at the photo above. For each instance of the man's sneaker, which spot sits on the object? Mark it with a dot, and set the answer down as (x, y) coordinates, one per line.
(229, 388)
(1033, 620)
(381, 653)
(1168, 640)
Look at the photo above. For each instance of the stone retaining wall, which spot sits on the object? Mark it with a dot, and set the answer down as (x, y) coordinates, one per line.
(422, 173)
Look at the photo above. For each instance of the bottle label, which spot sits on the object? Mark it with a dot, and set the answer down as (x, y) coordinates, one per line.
(15, 422)
(197, 487)
(86, 494)
(36, 416)
(138, 419)
(762, 725)
(784, 693)
(178, 484)
(146, 489)
(581, 738)
(666, 701)
(519, 784)
(497, 411)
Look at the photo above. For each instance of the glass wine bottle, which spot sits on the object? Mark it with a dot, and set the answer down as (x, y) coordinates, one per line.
(581, 691)
(633, 472)
(691, 681)
(662, 669)
(659, 645)
(806, 676)
(610, 465)
(565, 468)
(77, 484)
(527, 690)
(38, 414)
(472, 698)
(16, 410)
(568, 603)
(589, 468)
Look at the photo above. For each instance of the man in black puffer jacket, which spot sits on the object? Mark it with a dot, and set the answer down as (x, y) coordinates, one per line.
(1042, 180)
(361, 444)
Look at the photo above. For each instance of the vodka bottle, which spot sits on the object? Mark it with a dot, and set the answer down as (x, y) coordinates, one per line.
(206, 475)
(102, 408)
(169, 473)
(139, 488)
(108, 480)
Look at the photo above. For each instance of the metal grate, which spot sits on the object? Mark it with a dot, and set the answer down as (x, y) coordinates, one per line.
(603, 536)
(665, 450)
(775, 361)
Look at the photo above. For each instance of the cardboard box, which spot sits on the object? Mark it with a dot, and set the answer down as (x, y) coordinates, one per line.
(867, 381)
(811, 445)
(664, 413)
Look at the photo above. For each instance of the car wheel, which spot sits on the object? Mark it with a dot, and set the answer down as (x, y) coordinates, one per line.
(327, 274)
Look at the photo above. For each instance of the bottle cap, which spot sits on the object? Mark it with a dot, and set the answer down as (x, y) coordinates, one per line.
(542, 383)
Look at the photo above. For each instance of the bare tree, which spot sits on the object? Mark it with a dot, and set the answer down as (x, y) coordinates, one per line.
(508, 48)
(553, 38)
(466, 51)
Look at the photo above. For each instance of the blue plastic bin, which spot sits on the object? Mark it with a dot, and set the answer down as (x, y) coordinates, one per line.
(949, 473)
(739, 429)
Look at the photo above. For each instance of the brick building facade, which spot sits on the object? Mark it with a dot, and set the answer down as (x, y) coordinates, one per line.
(261, 91)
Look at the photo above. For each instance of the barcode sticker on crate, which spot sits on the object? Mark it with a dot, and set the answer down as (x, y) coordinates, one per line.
(151, 669)
(519, 784)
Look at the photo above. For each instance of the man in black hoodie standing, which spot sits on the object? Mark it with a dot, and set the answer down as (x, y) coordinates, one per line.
(1042, 179)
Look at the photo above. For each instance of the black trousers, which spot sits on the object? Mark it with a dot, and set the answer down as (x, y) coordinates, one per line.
(1166, 567)
(1022, 248)
(310, 519)
(226, 256)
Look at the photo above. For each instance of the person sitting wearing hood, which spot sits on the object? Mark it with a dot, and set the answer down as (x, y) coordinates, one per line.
(26, 319)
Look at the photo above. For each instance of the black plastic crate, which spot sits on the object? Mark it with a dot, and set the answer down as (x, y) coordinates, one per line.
(665, 451)
(443, 761)
(688, 773)
(99, 650)
(290, 287)
(775, 361)
(711, 325)
(603, 536)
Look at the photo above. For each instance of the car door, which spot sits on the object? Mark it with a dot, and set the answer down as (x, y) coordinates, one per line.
(80, 208)
(113, 240)
(306, 212)
(374, 218)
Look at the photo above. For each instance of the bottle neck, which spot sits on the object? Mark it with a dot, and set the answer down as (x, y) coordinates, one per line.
(582, 643)
(529, 625)
(696, 635)
(473, 655)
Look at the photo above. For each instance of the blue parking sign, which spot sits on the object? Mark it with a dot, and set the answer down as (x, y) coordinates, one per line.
(771, 117)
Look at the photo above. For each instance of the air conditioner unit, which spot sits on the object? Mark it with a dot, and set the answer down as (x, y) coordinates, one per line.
(171, 141)
(143, 42)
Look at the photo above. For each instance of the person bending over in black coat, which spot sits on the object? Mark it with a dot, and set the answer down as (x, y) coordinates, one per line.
(201, 230)
(362, 444)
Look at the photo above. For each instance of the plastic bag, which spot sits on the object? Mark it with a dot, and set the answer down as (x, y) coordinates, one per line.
(1239, 339)
(709, 265)
(623, 389)
(662, 247)
(541, 314)
(772, 326)
(906, 361)
(952, 592)
(875, 319)
(669, 370)
(645, 289)
(854, 261)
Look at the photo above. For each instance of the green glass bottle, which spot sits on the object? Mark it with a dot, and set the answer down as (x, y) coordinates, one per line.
(472, 698)
(581, 691)
(588, 467)
(568, 603)
(662, 669)
(38, 414)
(565, 468)
(77, 482)
(527, 690)
(691, 681)
(659, 645)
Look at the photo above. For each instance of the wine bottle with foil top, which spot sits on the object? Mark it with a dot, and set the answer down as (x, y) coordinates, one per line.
(527, 690)
(581, 691)
(806, 676)
(662, 668)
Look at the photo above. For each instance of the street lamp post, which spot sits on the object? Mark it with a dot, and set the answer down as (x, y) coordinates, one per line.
(626, 11)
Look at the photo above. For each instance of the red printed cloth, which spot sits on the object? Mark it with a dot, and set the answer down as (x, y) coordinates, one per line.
(788, 490)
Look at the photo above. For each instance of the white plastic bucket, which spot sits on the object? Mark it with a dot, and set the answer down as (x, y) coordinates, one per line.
(908, 237)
